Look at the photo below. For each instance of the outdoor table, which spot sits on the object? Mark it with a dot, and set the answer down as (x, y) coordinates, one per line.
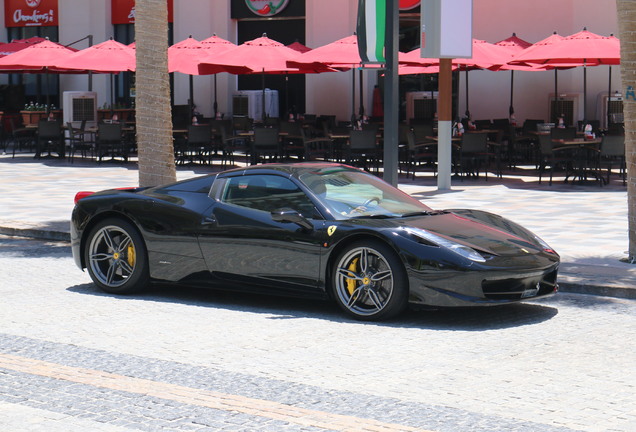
(583, 148)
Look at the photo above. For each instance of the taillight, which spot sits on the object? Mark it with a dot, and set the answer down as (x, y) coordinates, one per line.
(82, 194)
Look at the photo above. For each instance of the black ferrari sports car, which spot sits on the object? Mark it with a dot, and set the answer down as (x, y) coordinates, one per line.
(308, 229)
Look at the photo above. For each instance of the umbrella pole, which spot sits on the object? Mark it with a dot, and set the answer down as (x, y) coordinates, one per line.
(353, 97)
(556, 95)
(361, 101)
(511, 109)
(263, 85)
(467, 109)
(216, 106)
(584, 93)
(609, 96)
(287, 94)
(48, 106)
(112, 96)
(191, 82)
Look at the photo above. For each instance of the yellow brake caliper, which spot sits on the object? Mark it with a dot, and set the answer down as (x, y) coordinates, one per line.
(131, 255)
(351, 283)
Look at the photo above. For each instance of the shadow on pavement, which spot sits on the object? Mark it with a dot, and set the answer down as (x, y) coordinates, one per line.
(288, 308)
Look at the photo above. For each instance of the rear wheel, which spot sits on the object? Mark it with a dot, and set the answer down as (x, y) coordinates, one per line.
(369, 281)
(116, 257)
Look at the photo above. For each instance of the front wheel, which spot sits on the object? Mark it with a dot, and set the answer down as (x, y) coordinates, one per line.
(116, 257)
(369, 281)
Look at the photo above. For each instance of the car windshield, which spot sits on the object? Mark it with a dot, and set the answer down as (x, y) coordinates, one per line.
(349, 194)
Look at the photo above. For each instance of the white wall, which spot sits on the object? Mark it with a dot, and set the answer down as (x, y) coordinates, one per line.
(76, 21)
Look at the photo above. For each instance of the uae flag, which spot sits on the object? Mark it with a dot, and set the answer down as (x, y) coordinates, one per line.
(371, 30)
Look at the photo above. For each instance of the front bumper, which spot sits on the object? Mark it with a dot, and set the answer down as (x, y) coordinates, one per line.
(455, 288)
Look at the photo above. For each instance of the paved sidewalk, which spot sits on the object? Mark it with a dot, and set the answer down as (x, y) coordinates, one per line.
(586, 224)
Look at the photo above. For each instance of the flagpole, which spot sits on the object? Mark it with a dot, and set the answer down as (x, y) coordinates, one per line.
(391, 97)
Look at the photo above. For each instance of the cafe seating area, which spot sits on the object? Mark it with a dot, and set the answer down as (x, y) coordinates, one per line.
(485, 149)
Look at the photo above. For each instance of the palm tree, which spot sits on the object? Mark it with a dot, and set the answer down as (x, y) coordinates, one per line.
(153, 113)
(627, 34)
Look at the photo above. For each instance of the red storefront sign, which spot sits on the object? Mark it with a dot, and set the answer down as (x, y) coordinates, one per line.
(27, 13)
(409, 4)
(123, 11)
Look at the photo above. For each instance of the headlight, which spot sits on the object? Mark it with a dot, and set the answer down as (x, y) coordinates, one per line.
(459, 249)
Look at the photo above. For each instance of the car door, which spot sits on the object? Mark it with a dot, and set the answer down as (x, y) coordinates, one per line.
(242, 243)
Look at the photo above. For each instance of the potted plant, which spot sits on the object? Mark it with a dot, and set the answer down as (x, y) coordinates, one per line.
(34, 112)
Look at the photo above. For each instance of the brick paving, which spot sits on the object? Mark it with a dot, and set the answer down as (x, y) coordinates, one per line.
(74, 359)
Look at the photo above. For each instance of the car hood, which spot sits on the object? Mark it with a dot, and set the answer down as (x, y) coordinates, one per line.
(479, 230)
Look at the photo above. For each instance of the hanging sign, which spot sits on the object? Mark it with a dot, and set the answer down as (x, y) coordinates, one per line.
(266, 8)
(123, 11)
(30, 13)
(447, 29)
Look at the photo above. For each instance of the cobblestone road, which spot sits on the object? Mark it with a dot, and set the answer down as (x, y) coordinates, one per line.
(75, 359)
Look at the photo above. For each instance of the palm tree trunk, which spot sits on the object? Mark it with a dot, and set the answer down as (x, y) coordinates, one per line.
(153, 112)
(627, 34)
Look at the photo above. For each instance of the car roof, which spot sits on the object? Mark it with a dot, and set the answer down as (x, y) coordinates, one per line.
(291, 169)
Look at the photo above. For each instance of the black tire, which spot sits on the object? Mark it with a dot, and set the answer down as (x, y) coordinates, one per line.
(369, 281)
(116, 257)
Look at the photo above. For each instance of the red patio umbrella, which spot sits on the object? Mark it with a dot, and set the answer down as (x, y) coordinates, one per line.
(106, 57)
(341, 54)
(516, 45)
(261, 55)
(192, 57)
(297, 46)
(580, 49)
(485, 56)
(182, 57)
(584, 48)
(40, 57)
(18, 44)
(212, 46)
(540, 46)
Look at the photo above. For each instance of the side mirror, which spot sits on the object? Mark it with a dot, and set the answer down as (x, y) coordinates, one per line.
(291, 216)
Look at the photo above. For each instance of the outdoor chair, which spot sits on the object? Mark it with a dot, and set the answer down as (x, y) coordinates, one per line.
(554, 156)
(266, 144)
(197, 144)
(49, 138)
(423, 131)
(612, 154)
(292, 139)
(475, 154)
(21, 137)
(362, 150)
(420, 152)
(231, 145)
(77, 141)
(568, 133)
(109, 141)
(319, 148)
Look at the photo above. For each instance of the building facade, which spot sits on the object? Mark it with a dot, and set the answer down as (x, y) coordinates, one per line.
(315, 23)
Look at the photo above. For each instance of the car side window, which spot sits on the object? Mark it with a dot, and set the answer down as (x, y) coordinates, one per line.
(267, 193)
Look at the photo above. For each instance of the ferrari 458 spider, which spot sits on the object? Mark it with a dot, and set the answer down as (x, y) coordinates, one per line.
(308, 229)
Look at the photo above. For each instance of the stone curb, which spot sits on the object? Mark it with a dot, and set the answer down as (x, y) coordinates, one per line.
(36, 233)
